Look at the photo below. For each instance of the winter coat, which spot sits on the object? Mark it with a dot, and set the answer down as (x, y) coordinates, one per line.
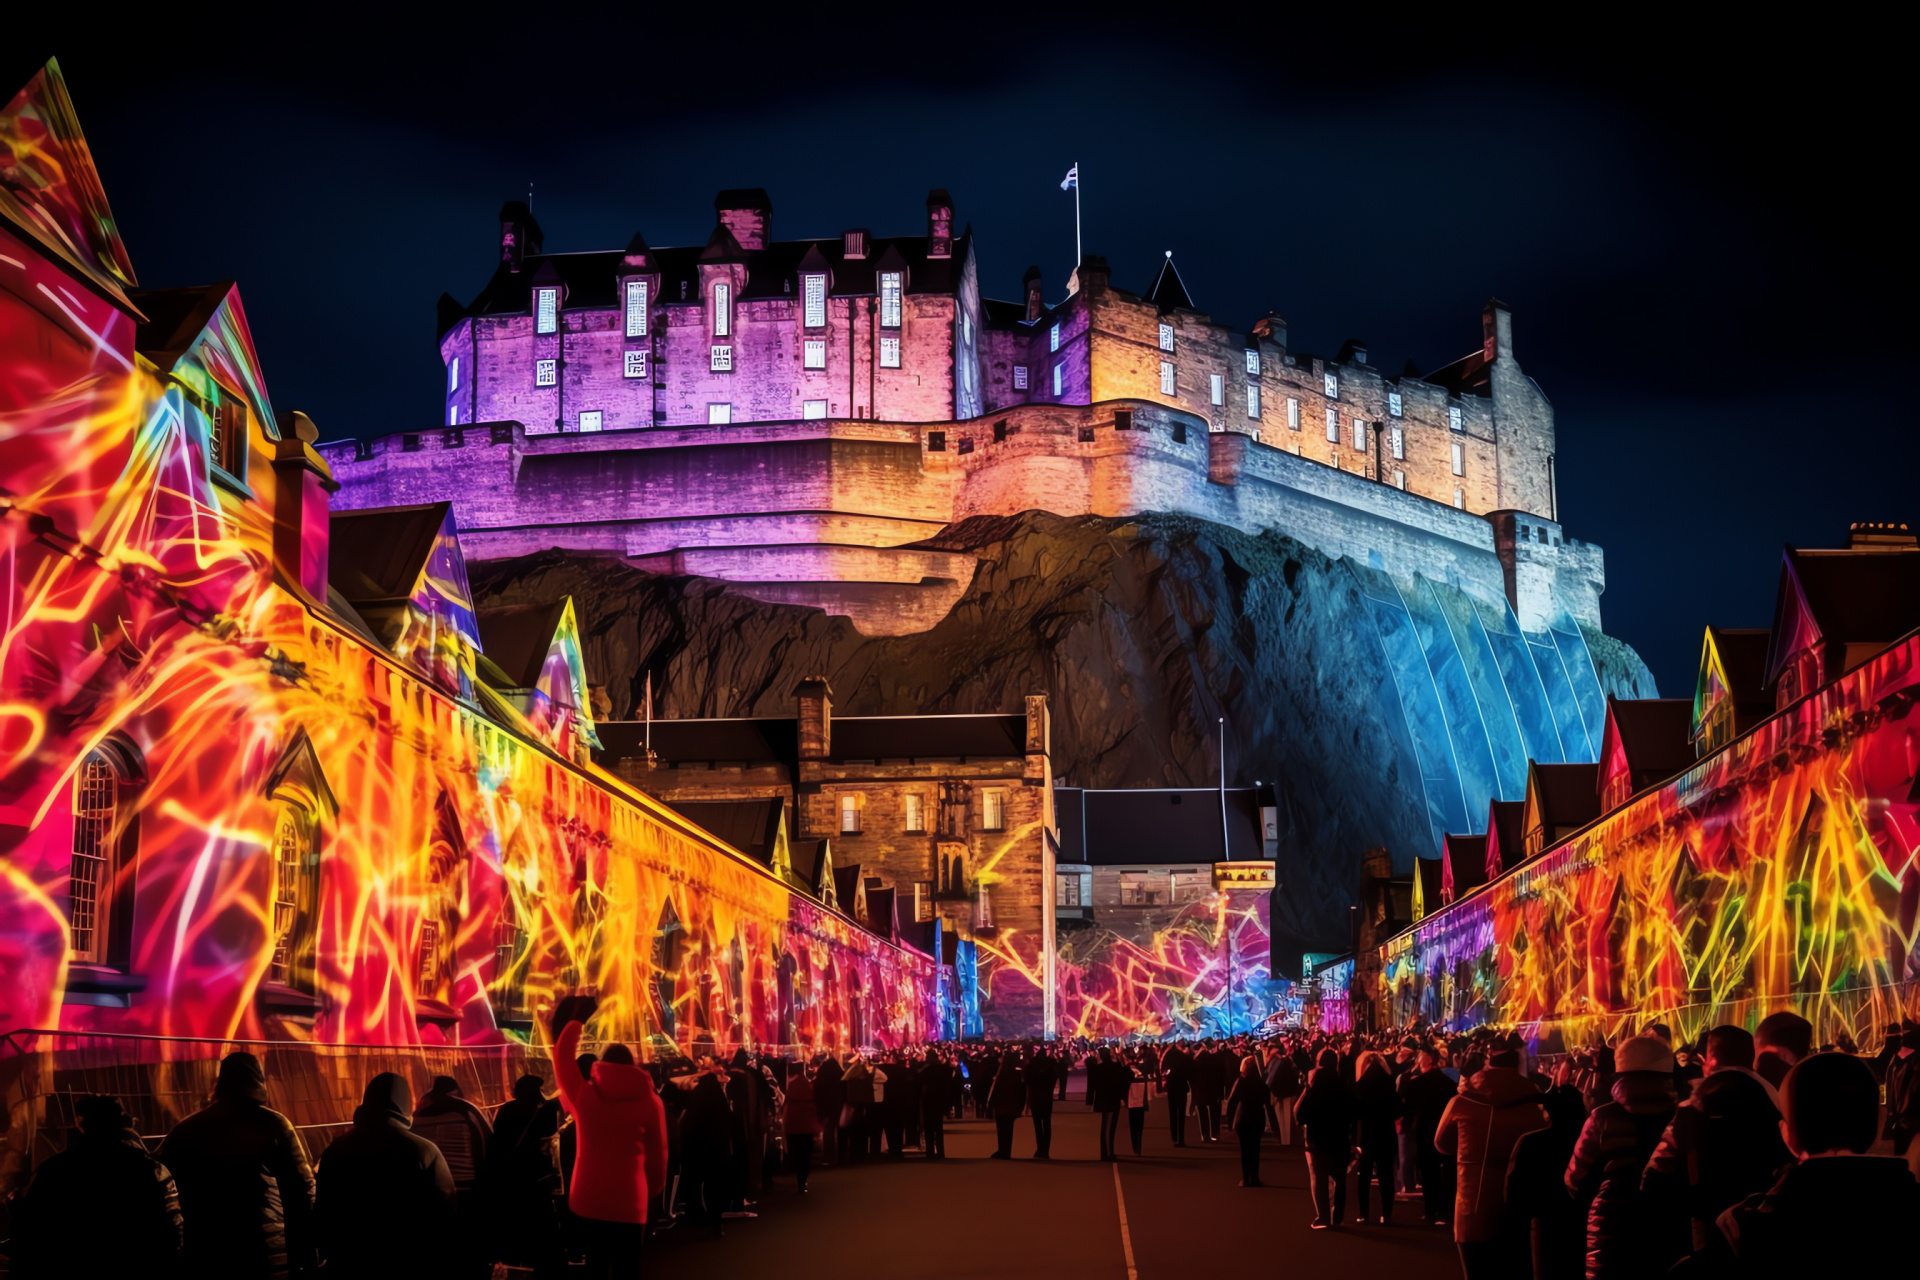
(1009, 1096)
(1376, 1106)
(385, 1206)
(1627, 1234)
(1798, 1229)
(1903, 1094)
(1283, 1079)
(1424, 1096)
(1209, 1075)
(459, 1129)
(520, 1149)
(1043, 1073)
(1325, 1111)
(800, 1115)
(1107, 1085)
(829, 1092)
(859, 1084)
(1479, 1128)
(246, 1191)
(1722, 1146)
(1176, 1069)
(936, 1088)
(1537, 1199)
(1247, 1105)
(100, 1180)
(622, 1153)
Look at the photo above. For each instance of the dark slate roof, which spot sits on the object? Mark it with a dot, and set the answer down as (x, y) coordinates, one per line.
(1743, 657)
(929, 737)
(761, 740)
(880, 914)
(1429, 871)
(846, 887)
(1467, 376)
(1506, 842)
(377, 554)
(1569, 793)
(174, 318)
(1855, 597)
(1656, 734)
(1465, 864)
(517, 637)
(1168, 292)
(997, 314)
(805, 856)
(1134, 827)
(748, 825)
(921, 935)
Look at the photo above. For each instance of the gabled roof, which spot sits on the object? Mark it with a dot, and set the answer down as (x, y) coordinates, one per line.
(1463, 866)
(1506, 836)
(517, 639)
(1562, 795)
(973, 737)
(759, 740)
(751, 826)
(1427, 897)
(1652, 738)
(201, 331)
(1842, 597)
(377, 555)
(1168, 292)
(1733, 664)
(881, 915)
(812, 863)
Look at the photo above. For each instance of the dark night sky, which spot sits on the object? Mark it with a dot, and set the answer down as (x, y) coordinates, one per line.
(1709, 275)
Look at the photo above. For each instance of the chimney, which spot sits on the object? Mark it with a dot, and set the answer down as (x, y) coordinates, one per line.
(302, 482)
(816, 718)
(1496, 331)
(853, 243)
(1039, 735)
(1881, 536)
(1272, 328)
(748, 214)
(939, 223)
(1090, 277)
(520, 237)
(1035, 304)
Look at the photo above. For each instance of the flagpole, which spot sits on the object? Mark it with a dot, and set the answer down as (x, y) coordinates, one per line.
(1078, 253)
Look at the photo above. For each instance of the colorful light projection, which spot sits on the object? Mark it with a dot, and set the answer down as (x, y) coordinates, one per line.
(1202, 973)
(223, 813)
(1778, 873)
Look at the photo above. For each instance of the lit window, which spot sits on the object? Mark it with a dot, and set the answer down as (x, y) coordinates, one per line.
(1293, 414)
(1394, 406)
(889, 353)
(1333, 387)
(719, 414)
(453, 415)
(546, 310)
(1056, 378)
(1066, 892)
(816, 353)
(545, 372)
(1253, 401)
(1166, 337)
(453, 375)
(1453, 419)
(1400, 480)
(96, 812)
(993, 809)
(966, 330)
(850, 815)
(1459, 458)
(636, 308)
(814, 409)
(227, 433)
(1166, 377)
(1460, 499)
(889, 299)
(291, 847)
(635, 364)
(721, 360)
(722, 311)
(916, 819)
(1333, 425)
(1019, 377)
(1218, 389)
(815, 291)
(1055, 338)
(1360, 434)
(591, 419)
(1399, 438)
(1253, 364)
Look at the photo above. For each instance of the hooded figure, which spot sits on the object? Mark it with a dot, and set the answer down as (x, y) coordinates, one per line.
(520, 1178)
(386, 1196)
(1629, 1234)
(246, 1191)
(447, 1120)
(104, 1177)
(1480, 1128)
(623, 1134)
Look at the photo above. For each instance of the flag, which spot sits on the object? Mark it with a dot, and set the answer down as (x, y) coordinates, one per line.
(1072, 179)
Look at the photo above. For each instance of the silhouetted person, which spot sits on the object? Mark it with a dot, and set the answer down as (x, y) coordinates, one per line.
(1424, 1093)
(1541, 1210)
(1376, 1105)
(519, 1179)
(1780, 1041)
(1628, 1234)
(1247, 1117)
(386, 1200)
(102, 1207)
(1324, 1112)
(1480, 1128)
(1008, 1100)
(1176, 1073)
(1042, 1074)
(936, 1098)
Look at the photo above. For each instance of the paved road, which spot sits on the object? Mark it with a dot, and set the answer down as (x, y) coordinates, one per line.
(969, 1216)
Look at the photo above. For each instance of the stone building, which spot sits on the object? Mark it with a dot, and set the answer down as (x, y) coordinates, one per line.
(907, 818)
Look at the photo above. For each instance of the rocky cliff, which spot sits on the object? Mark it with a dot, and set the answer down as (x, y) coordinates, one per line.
(1144, 633)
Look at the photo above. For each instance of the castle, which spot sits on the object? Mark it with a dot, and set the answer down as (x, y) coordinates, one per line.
(796, 417)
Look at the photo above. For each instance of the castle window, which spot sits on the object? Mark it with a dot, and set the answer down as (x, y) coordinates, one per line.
(1000, 431)
(922, 901)
(636, 308)
(1453, 418)
(1123, 419)
(1459, 458)
(591, 419)
(849, 815)
(1166, 377)
(634, 364)
(453, 374)
(545, 372)
(1333, 425)
(1056, 378)
(1399, 439)
(96, 861)
(813, 409)
(1394, 406)
(1166, 337)
(889, 353)
(722, 312)
(1253, 364)
(816, 352)
(721, 360)
(453, 415)
(292, 896)
(1066, 889)
(1253, 401)
(1019, 377)
(1400, 481)
(1360, 434)
(1460, 499)
(227, 432)
(816, 301)
(889, 299)
(546, 314)
(1219, 389)
(1055, 338)
(1293, 414)
(936, 442)
(911, 806)
(993, 809)
(719, 414)
(1333, 387)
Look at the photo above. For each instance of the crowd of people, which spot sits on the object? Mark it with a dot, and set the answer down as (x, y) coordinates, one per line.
(1728, 1157)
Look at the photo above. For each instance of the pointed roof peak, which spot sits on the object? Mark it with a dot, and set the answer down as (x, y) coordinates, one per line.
(722, 247)
(1168, 291)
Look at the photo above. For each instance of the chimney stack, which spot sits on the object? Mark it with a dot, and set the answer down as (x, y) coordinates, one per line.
(1496, 330)
(939, 223)
(520, 236)
(747, 213)
(816, 718)
(1036, 305)
(302, 482)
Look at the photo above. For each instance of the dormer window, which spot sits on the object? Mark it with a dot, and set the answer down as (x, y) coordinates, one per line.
(723, 315)
(1055, 337)
(1395, 407)
(889, 299)
(1166, 337)
(546, 310)
(814, 293)
(1333, 387)
(1253, 364)
(227, 432)
(636, 308)
(1454, 422)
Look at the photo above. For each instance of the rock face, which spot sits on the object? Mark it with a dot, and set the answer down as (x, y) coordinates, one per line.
(1144, 634)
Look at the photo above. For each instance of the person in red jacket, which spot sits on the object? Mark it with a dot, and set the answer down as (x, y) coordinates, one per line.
(622, 1141)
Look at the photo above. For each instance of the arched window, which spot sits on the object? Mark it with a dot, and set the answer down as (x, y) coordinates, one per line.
(293, 864)
(96, 857)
